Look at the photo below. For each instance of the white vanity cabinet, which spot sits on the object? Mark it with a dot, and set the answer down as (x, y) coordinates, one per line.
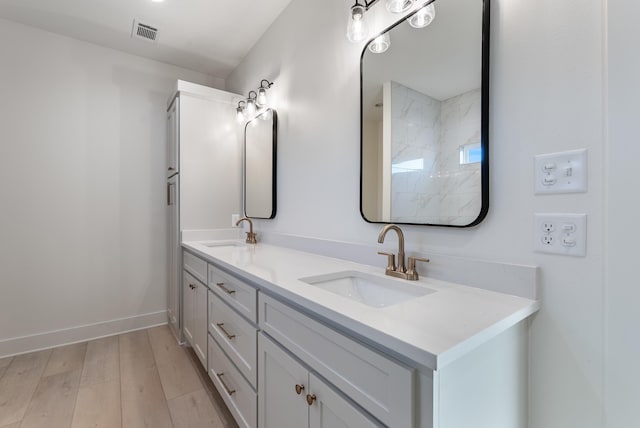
(269, 353)
(194, 304)
(233, 352)
(380, 385)
(194, 294)
(293, 397)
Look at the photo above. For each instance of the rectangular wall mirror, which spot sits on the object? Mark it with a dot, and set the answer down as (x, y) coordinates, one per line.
(424, 118)
(260, 142)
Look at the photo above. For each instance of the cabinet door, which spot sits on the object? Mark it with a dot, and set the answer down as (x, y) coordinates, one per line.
(200, 322)
(173, 262)
(187, 306)
(172, 138)
(330, 410)
(279, 403)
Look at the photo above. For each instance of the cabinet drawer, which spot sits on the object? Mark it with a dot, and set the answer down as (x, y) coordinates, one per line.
(380, 385)
(235, 335)
(234, 389)
(236, 293)
(195, 266)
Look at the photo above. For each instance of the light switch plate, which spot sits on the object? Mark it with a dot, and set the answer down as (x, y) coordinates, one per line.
(234, 219)
(564, 172)
(564, 234)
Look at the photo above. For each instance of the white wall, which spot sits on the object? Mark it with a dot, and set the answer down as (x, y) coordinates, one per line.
(82, 217)
(622, 371)
(546, 96)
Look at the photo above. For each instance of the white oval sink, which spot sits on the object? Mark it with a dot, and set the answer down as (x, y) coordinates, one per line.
(372, 290)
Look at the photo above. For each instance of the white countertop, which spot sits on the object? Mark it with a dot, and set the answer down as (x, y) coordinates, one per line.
(431, 330)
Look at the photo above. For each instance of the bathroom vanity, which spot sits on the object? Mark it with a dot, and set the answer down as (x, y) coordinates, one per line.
(293, 339)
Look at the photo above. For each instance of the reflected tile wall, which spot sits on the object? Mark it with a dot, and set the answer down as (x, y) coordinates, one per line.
(428, 184)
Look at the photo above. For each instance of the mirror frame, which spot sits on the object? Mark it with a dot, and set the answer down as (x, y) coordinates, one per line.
(274, 157)
(484, 123)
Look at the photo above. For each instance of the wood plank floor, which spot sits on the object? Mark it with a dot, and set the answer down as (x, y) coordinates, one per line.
(138, 379)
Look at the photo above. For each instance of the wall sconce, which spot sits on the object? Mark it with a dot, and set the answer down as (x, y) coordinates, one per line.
(357, 28)
(251, 104)
(255, 103)
(262, 92)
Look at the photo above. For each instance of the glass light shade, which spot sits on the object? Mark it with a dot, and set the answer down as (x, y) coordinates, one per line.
(262, 97)
(251, 107)
(380, 44)
(423, 17)
(240, 114)
(399, 6)
(357, 29)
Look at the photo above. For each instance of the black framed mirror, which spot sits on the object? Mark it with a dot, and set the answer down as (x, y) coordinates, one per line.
(260, 143)
(424, 110)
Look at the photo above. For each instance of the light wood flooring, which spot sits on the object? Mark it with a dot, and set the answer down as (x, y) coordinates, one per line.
(138, 379)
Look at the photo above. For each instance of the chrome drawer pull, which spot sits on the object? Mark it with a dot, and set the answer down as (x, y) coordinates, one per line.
(226, 290)
(229, 391)
(221, 327)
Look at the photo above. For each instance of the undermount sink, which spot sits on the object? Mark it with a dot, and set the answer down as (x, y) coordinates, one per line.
(212, 244)
(372, 290)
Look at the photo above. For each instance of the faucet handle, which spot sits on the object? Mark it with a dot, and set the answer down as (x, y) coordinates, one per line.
(251, 238)
(412, 274)
(391, 260)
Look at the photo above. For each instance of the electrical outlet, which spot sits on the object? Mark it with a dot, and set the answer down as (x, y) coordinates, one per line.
(234, 219)
(547, 227)
(564, 234)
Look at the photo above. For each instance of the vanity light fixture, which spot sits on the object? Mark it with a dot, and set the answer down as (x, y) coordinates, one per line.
(381, 43)
(357, 29)
(423, 17)
(255, 104)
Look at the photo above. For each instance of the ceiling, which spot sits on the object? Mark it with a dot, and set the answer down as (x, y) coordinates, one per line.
(209, 36)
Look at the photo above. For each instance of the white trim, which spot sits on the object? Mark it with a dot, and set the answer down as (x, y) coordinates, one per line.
(82, 333)
(207, 92)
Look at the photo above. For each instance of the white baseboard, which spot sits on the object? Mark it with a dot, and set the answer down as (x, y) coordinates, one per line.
(67, 336)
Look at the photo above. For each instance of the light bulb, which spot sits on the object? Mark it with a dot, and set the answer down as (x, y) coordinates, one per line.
(240, 114)
(357, 29)
(399, 6)
(262, 97)
(423, 17)
(380, 44)
(251, 107)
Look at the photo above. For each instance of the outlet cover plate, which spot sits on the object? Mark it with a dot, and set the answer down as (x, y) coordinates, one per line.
(564, 172)
(564, 234)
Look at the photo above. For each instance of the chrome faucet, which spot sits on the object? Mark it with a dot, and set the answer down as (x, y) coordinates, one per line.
(399, 271)
(251, 236)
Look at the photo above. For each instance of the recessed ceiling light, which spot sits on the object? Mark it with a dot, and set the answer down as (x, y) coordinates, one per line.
(157, 1)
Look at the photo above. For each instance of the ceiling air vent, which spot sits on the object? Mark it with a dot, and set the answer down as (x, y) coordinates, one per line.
(144, 31)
